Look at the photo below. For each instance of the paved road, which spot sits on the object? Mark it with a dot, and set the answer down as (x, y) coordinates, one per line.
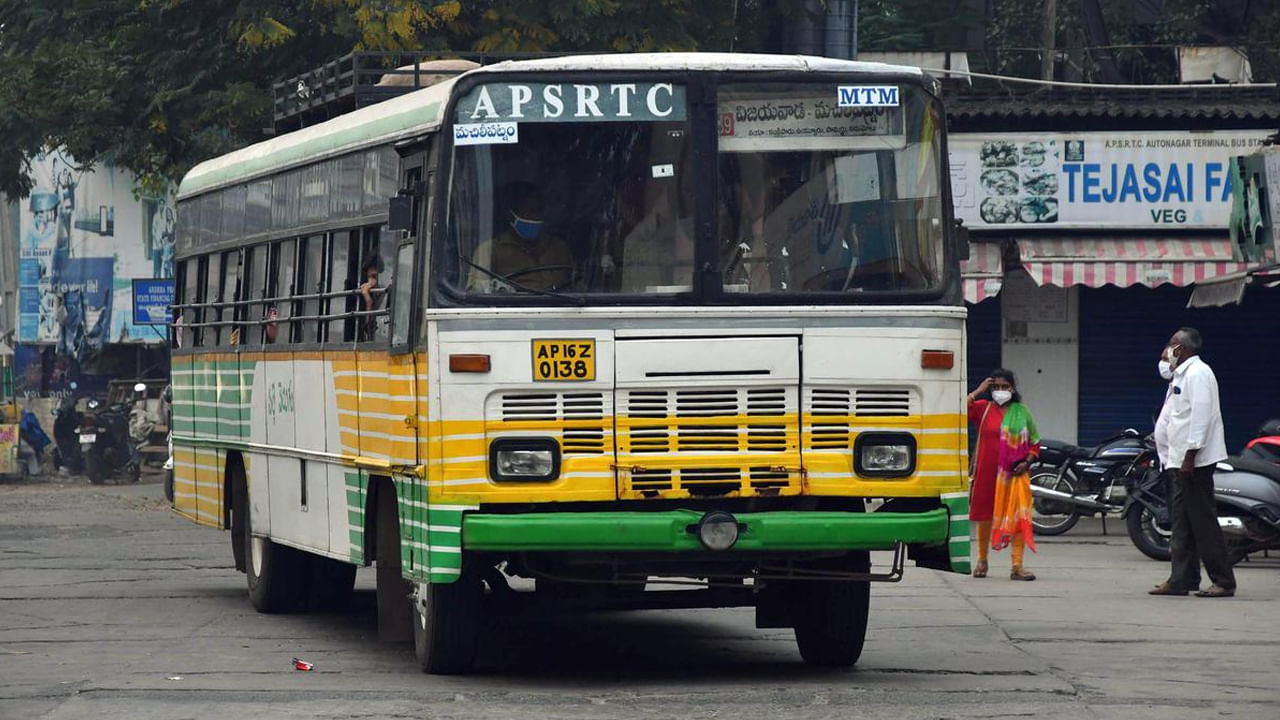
(110, 607)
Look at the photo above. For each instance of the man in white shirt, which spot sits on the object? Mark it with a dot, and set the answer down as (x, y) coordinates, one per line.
(1196, 442)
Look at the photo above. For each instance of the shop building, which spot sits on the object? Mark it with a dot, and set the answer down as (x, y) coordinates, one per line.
(1094, 213)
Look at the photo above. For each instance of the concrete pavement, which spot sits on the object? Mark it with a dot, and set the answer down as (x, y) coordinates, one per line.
(114, 607)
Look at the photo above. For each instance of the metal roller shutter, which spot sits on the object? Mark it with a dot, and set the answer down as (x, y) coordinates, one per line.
(983, 349)
(1122, 332)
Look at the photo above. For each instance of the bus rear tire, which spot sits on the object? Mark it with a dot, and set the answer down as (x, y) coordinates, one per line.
(446, 634)
(831, 618)
(395, 609)
(273, 571)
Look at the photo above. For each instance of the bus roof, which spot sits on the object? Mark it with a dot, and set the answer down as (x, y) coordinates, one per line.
(420, 111)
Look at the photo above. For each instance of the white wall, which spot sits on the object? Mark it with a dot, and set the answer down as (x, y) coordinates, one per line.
(1041, 345)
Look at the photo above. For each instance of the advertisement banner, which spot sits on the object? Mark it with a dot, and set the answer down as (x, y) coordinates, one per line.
(86, 233)
(151, 301)
(1101, 180)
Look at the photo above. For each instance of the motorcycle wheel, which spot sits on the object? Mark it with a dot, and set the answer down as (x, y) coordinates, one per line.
(1049, 517)
(1146, 535)
(93, 468)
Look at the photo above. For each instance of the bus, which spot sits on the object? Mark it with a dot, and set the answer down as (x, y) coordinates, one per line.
(627, 331)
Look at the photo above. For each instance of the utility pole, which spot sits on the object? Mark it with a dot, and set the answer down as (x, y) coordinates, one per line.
(1048, 33)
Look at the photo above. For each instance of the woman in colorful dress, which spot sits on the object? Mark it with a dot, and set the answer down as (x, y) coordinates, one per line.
(1000, 492)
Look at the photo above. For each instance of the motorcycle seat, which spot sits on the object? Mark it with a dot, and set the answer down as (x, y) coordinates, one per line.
(1257, 467)
(1072, 452)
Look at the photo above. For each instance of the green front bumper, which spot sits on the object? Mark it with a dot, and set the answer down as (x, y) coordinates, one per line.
(668, 531)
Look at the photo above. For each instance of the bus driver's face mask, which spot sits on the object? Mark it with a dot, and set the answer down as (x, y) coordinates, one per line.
(526, 229)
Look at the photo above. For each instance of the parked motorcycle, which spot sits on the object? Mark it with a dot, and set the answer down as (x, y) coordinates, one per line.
(66, 427)
(107, 441)
(1266, 446)
(1247, 494)
(1069, 481)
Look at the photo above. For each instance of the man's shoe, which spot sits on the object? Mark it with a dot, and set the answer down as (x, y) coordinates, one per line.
(1216, 591)
(1165, 588)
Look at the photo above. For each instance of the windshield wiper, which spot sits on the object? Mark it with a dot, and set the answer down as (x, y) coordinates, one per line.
(574, 299)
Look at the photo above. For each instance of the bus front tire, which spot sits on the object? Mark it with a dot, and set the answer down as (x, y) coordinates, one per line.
(273, 571)
(831, 618)
(446, 633)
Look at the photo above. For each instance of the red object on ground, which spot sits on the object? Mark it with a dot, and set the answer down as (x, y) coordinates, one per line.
(302, 665)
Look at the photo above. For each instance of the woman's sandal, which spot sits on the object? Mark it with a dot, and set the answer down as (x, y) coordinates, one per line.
(1021, 573)
(980, 570)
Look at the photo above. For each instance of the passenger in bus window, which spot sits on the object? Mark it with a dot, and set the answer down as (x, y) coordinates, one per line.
(369, 299)
(272, 328)
(522, 252)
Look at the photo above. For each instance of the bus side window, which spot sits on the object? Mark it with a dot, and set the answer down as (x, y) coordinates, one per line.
(279, 290)
(250, 288)
(311, 282)
(189, 275)
(229, 331)
(344, 254)
(212, 294)
(376, 280)
(259, 262)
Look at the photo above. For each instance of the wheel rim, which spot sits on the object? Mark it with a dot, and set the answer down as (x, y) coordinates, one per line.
(1155, 534)
(1041, 509)
(257, 548)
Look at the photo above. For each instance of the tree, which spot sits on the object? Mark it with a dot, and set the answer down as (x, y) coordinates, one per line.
(155, 86)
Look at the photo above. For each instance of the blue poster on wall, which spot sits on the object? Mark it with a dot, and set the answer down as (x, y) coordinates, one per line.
(151, 301)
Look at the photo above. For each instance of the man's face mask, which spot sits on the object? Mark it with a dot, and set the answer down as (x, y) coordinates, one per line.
(527, 229)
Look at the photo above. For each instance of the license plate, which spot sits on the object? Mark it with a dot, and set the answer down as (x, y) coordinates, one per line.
(87, 438)
(564, 360)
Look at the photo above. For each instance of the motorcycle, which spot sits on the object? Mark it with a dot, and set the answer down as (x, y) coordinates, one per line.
(66, 428)
(1247, 495)
(1069, 481)
(1266, 446)
(108, 443)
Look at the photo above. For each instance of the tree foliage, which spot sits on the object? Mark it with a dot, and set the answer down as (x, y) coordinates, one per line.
(158, 85)
(1141, 37)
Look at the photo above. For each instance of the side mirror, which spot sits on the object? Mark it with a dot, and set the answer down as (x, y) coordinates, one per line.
(962, 240)
(400, 213)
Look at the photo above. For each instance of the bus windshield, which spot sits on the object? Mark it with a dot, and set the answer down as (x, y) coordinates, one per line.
(820, 198)
(588, 188)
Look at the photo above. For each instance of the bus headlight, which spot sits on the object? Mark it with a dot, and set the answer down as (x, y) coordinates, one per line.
(524, 460)
(885, 454)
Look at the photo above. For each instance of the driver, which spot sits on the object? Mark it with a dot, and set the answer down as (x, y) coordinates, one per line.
(521, 250)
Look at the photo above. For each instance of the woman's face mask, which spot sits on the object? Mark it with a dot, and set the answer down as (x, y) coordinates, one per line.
(1002, 397)
(527, 229)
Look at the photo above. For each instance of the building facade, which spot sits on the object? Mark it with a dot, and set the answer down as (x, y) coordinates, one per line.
(83, 243)
(1094, 212)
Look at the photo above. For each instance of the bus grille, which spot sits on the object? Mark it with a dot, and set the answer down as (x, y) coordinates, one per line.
(579, 418)
(749, 427)
(833, 411)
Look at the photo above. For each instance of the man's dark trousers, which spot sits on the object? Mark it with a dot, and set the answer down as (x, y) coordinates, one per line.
(1196, 535)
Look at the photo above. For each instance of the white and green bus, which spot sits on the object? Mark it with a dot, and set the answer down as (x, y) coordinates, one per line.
(669, 330)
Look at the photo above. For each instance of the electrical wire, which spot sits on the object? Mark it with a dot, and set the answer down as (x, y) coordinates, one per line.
(1096, 86)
